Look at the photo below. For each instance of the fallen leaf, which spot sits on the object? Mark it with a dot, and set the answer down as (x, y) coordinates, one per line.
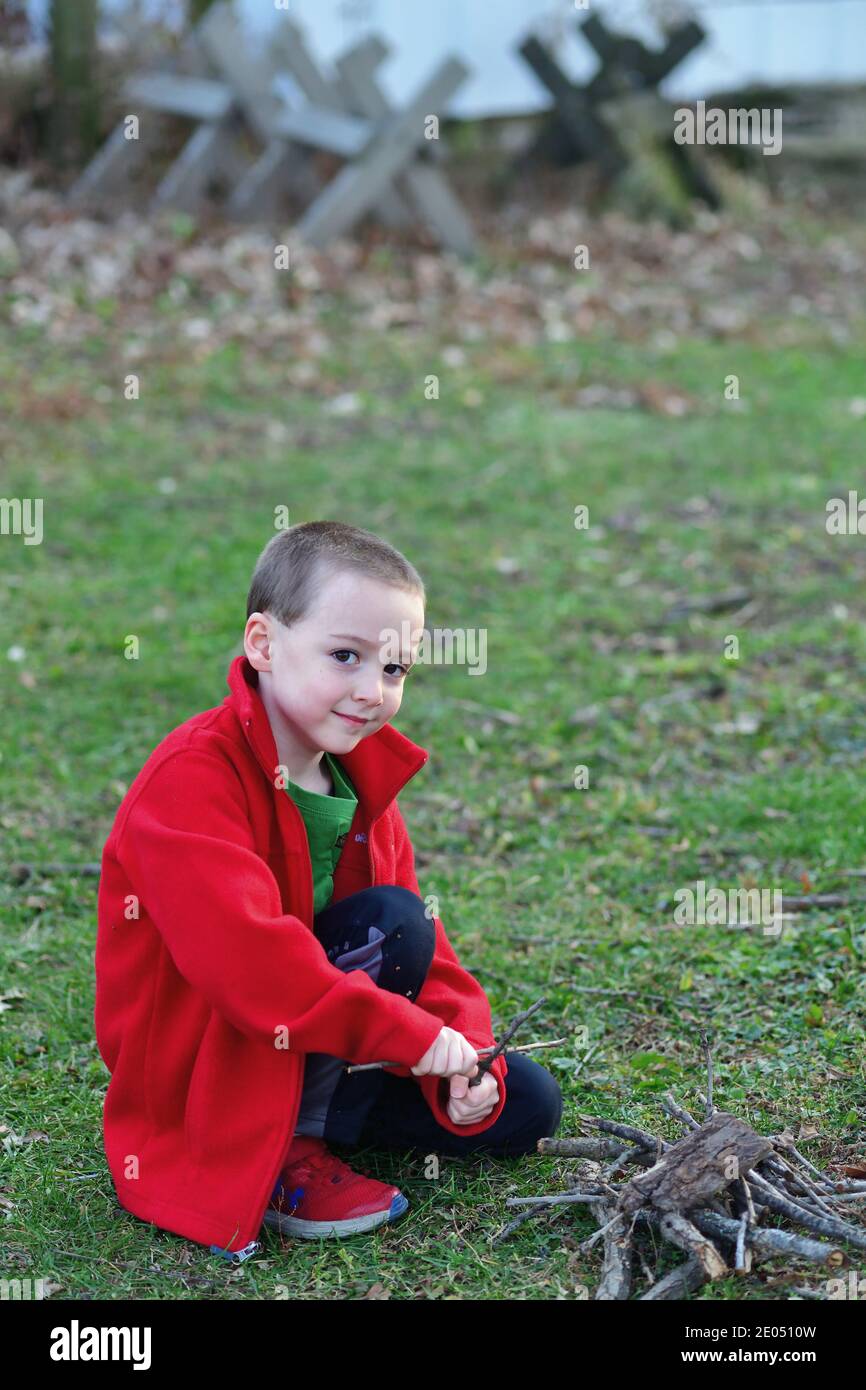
(665, 400)
(377, 1291)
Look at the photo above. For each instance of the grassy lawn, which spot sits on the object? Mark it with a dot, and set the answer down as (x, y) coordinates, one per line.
(741, 772)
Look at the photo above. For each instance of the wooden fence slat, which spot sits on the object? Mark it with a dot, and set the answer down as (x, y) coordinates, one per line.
(290, 50)
(358, 94)
(222, 39)
(573, 110)
(295, 57)
(324, 129)
(441, 207)
(360, 184)
(195, 97)
(113, 167)
(426, 185)
(362, 94)
(203, 157)
(110, 167)
(281, 168)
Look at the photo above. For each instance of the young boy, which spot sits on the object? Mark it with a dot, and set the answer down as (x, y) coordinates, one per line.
(261, 927)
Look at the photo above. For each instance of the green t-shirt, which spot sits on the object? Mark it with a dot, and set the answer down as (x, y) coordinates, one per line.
(327, 819)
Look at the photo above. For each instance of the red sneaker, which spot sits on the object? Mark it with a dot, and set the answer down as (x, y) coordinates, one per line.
(318, 1195)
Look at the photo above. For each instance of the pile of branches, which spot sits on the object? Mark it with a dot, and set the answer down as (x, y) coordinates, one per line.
(711, 1194)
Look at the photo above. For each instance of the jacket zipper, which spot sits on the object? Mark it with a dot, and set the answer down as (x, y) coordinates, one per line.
(288, 1146)
(280, 1168)
(311, 893)
(311, 899)
(237, 1257)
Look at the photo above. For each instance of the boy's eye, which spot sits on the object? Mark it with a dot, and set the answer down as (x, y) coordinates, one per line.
(346, 651)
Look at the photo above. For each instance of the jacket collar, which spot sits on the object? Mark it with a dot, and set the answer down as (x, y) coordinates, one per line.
(379, 766)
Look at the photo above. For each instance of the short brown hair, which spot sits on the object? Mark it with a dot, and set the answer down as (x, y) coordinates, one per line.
(294, 561)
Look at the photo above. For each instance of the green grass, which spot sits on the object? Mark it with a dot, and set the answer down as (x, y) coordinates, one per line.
(581, 646)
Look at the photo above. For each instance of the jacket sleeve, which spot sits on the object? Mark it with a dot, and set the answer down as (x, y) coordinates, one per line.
(187, 849)
(453, 995)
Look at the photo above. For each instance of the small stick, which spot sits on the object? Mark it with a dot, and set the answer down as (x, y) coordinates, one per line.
(516, 1023)
(18, 873)
(742, 1260)
(683, 1280)
(789, 1148)
(557, 1200)
(750, 1205)
(640, 1137)
(620, 1161)
(748, 1219)
(777, 1162)
(527, 1215)
(634, 993)
(823, 1225)
(616, 1277)
(523, 1047)
(678, 1113)
(590, 1241)
(680, 1231)
(765, 1242)
(579, 1148)
(583, 1061)
(709, 1057)
(518, 1221)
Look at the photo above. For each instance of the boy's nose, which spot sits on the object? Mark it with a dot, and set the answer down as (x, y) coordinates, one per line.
(370, 691)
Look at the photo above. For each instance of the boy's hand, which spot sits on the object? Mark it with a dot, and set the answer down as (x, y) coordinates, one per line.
(469, 1104)
(451, 1055)
(448, 1055)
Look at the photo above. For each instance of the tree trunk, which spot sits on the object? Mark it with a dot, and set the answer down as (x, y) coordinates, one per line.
(197, 8)
(75, 89)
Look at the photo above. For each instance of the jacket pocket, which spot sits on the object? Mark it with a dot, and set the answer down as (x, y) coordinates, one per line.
(222, 1114)
(202, 1097)
(177, 1024)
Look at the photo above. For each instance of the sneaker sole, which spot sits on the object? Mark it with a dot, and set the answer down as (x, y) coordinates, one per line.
(315, 1230)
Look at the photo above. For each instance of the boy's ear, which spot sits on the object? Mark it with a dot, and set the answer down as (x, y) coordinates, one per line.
(259, 638)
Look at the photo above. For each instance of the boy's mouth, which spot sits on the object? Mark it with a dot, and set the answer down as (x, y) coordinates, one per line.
(350, 718)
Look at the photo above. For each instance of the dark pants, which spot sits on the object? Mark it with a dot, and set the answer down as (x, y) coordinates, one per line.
(385, 931)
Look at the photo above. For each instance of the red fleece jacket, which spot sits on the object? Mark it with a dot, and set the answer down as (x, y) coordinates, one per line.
(211, 986)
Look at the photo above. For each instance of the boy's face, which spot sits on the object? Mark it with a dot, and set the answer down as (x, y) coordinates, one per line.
(334, 662)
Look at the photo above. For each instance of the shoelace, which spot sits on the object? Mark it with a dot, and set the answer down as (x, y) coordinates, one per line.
(318, 1160)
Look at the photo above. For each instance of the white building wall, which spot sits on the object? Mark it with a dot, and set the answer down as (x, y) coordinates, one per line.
(765, 40)
(748, 40)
